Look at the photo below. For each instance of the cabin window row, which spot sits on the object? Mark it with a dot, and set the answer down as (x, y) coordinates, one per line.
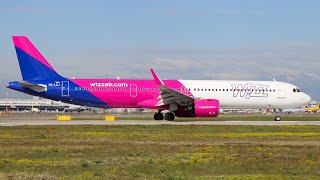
(100, 89)
(247, 90)
(177, 89)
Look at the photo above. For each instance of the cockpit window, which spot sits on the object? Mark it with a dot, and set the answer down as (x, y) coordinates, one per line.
(296, 90)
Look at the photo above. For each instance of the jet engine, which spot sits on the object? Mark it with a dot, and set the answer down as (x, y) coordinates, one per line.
(200, 108)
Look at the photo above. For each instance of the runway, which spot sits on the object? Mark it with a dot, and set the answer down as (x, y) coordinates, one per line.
(151, 122)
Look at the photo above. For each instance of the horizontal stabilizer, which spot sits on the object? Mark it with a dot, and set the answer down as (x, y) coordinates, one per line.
(32, 86)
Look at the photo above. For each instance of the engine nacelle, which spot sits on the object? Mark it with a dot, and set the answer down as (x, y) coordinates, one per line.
(201, 108)
(206, 108)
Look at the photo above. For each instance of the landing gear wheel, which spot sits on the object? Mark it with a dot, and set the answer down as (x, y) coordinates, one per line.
(169, 116)
(158, 116)
(277, 118)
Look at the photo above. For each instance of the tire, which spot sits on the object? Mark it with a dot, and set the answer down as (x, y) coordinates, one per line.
(158, 116)
(277, 118)
(169, 116)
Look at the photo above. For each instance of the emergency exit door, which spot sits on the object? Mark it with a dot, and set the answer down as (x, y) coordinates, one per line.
(65, 88)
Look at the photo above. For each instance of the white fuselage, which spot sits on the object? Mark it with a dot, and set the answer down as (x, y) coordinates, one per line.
(248, 94)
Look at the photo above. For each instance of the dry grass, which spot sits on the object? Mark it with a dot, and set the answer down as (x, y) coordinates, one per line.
(159, 152)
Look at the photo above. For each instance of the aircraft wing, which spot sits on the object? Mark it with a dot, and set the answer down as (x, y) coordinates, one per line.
(170, 96)
(33, 86)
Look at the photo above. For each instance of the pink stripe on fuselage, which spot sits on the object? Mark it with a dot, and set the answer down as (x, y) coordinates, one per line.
(121, 93)
(25, 45)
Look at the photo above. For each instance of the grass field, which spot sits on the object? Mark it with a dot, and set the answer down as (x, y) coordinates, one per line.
(160, 152)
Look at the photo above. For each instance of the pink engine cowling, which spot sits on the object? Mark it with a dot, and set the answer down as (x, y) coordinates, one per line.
(206, 108)
(200, 108)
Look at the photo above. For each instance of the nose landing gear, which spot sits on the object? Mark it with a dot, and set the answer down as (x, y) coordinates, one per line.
(277, 115)
(277, 118)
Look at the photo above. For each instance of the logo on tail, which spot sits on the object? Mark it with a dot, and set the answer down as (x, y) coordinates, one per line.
(33, 65)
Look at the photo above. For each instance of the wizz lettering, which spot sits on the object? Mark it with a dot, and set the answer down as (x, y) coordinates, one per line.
(249, 90)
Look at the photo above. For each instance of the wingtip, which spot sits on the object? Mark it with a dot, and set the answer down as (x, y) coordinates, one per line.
(156, 78)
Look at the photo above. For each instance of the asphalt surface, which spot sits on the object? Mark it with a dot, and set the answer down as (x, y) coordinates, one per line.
(21, 119)
(151, 122)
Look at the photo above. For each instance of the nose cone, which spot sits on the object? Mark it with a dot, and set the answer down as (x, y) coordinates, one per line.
(306, 99)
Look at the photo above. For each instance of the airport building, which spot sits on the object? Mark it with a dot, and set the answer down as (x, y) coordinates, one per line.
(37, 104)
(33, 105)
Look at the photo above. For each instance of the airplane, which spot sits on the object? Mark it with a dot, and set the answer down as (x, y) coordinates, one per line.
(172, 98)
(313, 109)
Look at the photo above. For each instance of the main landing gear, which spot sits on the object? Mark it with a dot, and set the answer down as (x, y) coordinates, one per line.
(158, 116)
(169, 116)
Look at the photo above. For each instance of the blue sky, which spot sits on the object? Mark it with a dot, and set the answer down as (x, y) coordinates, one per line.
(207, 39)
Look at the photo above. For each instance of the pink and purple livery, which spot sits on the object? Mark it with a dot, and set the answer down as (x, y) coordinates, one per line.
(181, 98)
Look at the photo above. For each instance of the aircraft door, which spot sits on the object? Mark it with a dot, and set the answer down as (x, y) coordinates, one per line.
(65, 88)
(183, 90)
(281, 92)
(133, 90)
